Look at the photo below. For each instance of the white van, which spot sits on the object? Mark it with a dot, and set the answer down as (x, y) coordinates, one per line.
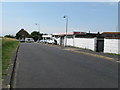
(50, 41)
(29, 40)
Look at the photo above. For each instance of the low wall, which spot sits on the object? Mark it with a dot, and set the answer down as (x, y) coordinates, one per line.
(87, 43)
(111, 46)
(70, 42)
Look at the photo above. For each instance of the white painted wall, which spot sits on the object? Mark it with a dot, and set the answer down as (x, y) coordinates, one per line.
(88, 43)
(70, 42)
(111, 46)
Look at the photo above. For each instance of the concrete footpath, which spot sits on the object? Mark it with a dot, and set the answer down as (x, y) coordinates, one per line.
(107, 56)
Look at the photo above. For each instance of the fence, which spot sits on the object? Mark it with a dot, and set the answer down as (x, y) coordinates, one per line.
(87, 43)
(112, 46)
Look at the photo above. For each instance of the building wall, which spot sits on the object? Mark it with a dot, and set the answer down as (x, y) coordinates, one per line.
(111, 46)
(70, 42)
(87, 43)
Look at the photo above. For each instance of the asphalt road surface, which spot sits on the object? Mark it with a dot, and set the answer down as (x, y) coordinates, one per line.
(42, 66)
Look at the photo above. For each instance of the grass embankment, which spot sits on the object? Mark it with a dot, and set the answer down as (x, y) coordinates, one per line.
(0, 61)
(8, 47)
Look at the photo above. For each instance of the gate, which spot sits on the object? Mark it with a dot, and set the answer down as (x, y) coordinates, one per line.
(62, 40)
(100, 45)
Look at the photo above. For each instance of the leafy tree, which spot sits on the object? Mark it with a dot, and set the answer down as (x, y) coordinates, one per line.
(9, 36)
(36, 35)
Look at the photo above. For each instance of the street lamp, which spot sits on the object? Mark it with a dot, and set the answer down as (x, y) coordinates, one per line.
(38, 29)
(66, 28)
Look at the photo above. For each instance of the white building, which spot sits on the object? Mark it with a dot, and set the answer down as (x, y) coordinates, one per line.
(107, 42)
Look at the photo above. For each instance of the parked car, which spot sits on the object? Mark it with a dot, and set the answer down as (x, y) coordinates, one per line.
(43, 41)
(21, 40)
(50, 41)
(29, 40)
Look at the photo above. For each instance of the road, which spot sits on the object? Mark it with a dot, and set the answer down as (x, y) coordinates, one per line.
(42, 66)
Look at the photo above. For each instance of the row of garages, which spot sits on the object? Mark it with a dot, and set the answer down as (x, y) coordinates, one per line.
(95, 42)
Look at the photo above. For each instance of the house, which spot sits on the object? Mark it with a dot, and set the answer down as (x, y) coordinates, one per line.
(21, 35)
(62, 37)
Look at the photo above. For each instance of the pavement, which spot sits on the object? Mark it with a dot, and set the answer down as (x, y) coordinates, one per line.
(44, 66)
(107, 56)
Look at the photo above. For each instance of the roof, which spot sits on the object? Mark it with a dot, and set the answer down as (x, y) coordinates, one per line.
(69, 33)
(22, 31)
(46, 35)
(111, 33)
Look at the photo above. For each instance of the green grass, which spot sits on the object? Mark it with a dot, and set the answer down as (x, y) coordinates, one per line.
(0, 59)
(8, 48)
(112, 54)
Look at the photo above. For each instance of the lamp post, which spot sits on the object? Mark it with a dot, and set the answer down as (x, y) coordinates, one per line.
(38, 30)
(66, 17)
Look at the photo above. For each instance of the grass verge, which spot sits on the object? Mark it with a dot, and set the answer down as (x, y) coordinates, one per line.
(0, 63)
(8, 47)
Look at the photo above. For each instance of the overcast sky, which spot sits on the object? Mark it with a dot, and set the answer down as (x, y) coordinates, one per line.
(83, 16)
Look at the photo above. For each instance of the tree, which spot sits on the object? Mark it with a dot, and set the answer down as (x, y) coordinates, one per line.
(9, 36)
(36, 35)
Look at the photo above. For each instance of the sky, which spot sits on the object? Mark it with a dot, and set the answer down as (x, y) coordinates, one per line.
(82, 16)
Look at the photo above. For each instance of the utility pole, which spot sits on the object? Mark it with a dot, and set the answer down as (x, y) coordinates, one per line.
(66, 28)
(38, 31)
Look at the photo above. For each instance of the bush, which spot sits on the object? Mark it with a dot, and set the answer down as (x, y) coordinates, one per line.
(9, 36)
